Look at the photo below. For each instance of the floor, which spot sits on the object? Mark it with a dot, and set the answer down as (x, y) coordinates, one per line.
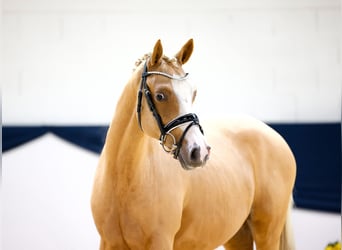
(45, 192)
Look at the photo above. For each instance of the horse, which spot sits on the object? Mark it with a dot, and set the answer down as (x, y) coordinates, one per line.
(166, 181)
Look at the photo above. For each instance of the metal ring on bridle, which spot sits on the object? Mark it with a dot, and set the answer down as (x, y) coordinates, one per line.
(165, 147)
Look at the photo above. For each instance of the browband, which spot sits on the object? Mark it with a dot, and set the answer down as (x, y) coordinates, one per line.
(174, 77)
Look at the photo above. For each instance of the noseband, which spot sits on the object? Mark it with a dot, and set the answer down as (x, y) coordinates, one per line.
(165, 130)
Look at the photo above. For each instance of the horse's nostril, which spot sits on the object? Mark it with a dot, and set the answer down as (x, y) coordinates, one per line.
(208, 148)
(195, 154)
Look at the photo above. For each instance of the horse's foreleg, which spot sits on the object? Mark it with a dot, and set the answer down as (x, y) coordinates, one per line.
(104, 245)
(242, 240)
(155, 243)
(161, 245)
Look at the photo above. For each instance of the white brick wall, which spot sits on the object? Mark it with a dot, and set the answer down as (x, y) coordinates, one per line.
(66, 61)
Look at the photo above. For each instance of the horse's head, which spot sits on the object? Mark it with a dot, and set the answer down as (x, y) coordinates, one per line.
(164, 107)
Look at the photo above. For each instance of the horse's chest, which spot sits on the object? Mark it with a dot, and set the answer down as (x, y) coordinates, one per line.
(120, 228)
(132, 220)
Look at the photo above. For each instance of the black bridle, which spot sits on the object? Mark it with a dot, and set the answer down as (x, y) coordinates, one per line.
(165, 130)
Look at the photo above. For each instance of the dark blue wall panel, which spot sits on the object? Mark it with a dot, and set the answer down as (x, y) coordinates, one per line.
(317, 148)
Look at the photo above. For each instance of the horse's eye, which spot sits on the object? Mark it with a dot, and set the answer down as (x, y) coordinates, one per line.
(160, 97)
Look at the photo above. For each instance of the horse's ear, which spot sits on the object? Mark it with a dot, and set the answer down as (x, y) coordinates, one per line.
(184, 54)
(157, 53)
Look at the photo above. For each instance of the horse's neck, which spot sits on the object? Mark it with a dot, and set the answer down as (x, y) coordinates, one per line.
(125, 141)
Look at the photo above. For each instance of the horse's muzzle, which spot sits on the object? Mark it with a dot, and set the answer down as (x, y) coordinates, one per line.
(195, 156)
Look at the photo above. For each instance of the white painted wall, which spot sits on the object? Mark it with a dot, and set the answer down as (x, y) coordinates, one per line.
(66, 61)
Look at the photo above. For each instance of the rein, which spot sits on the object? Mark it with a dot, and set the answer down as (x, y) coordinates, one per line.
(165, 130)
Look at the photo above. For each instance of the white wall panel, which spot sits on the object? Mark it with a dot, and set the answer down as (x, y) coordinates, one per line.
(66, 62)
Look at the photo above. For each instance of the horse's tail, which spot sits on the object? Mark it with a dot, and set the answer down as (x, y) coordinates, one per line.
(287, 238)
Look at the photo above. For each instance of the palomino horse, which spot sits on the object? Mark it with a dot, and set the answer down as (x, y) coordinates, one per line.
(239, 189)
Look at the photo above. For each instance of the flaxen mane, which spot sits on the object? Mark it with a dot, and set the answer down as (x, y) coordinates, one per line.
(142, 59)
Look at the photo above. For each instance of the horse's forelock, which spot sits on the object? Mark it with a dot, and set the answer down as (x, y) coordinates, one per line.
(142, 59)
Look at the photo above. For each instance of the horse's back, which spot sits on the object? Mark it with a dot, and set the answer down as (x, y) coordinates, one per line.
(261, 144)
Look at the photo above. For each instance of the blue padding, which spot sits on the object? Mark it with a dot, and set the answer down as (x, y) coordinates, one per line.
(15, 136)
(317, 148)
(88, 137)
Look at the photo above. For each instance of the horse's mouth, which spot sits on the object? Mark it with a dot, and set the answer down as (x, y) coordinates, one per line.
(188, 166)
(184, 165)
